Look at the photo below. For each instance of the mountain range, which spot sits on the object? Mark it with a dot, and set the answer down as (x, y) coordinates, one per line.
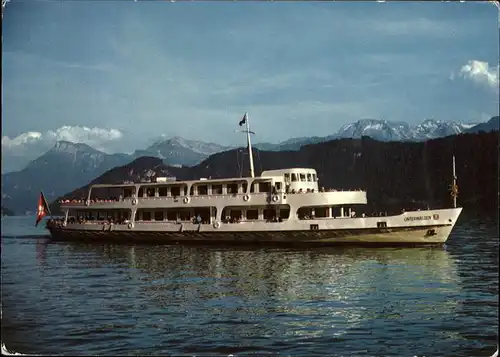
(68, 165)
(180, 151)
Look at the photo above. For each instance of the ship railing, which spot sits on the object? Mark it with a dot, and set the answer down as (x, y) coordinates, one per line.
(322, 190)
(210, 196)
(75, 202)
(102, 201)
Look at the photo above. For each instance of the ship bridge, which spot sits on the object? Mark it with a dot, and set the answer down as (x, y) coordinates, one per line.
(295, 179)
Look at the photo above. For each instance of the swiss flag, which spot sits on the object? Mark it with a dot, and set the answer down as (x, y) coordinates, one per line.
(42, 209)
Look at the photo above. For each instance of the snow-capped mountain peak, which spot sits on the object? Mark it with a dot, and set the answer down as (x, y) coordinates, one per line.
(400, 131)
(199, 147)
(377, 129)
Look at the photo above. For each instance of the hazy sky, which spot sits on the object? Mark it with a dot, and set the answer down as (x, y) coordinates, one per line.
(192, 69)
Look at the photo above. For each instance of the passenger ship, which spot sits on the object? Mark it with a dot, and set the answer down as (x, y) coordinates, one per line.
(280, 206)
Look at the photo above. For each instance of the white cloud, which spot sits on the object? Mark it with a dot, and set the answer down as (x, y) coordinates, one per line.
(94, 137)
(481, 73)
(83, 134)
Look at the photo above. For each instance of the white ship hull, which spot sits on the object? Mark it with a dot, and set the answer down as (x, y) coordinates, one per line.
(416, 227)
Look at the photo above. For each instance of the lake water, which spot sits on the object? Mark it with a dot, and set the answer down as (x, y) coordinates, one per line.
(74, 298)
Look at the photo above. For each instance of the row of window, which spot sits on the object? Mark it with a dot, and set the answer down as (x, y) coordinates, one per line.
(206, 213)
(303, 177)
(216, 189)
(184, 214)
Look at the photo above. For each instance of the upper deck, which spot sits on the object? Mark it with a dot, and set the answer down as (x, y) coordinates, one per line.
(285, 184)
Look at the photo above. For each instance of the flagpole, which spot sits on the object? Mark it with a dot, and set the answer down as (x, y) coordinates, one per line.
(249, 147)
(46, 204)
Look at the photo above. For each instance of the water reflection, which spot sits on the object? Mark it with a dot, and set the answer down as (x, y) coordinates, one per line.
(313, 292)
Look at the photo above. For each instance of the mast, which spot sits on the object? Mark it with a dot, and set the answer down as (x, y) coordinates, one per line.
(252, 174)
(454, 187)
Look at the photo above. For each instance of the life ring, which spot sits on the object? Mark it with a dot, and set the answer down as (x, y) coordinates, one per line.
(217, 224)
(275, 198)
(185, 199)
(134, 201)
(246, 198)
(87, 203)
(130, 225)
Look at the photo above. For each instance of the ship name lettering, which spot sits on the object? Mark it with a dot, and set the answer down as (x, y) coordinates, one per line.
(418, 218)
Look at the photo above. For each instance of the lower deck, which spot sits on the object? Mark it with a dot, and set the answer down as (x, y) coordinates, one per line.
(210, 215)
(422, 227)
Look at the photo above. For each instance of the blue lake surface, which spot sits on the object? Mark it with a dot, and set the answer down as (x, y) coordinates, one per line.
(83, 299)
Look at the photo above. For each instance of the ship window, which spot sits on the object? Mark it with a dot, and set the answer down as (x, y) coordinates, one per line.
(235, 214)
(146, 216)
(314, 177)
(216, 189)
(184, 215)
(127, 192)
(162, 191)
(244, 187)
(204, 213)
(302, 177)
(172, 215)
(309, 177)
(336, 211)
(284, 213)
(232, 188)
(287, 177)
(304, 213)
(203, 190)
(252, 214)
(159, 216)
(321, 212)
(269, 214)
(150, 192)
(191, 191)
(294, 177)
(175, 191)
(264, 187)
(141, 192)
